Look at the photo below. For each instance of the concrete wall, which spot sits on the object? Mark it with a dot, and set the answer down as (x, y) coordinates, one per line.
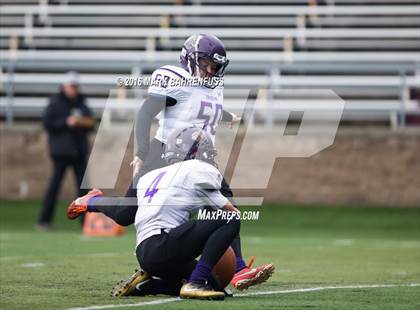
(363, 166)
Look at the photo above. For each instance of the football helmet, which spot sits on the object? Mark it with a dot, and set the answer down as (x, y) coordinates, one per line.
(204, 46)
(189, 143)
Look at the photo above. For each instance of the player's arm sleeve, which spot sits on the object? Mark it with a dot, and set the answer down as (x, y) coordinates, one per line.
(226, 116)
(153, 104)
(213, 198)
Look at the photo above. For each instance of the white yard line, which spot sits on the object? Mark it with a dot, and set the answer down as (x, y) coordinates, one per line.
(322, 288)
(343, 242)
(298, 290)
(139, 304)
(33, 265)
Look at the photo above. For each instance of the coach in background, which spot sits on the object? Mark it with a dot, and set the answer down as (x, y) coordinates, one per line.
(68, 121)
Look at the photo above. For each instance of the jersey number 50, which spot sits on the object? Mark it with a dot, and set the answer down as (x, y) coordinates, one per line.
(210, 120)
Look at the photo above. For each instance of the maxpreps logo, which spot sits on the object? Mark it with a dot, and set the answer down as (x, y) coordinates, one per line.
(205, 215)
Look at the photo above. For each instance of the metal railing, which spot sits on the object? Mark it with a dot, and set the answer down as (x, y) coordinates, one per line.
(268, 66)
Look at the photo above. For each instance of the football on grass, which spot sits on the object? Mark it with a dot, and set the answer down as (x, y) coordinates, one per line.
(225, 268)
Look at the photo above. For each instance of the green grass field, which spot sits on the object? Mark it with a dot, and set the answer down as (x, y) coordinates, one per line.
(312, 247)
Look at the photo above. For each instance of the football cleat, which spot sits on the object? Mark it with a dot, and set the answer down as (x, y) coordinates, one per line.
(248, 277)
(80, 204)
(194, 290)
(128, 287)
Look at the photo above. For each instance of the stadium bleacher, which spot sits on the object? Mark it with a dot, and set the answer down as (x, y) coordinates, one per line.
(367, 52)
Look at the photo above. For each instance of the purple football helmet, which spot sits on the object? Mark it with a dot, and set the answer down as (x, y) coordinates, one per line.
(189, 143)
(203, 46)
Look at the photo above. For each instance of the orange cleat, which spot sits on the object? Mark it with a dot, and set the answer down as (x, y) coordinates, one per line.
(248, 277)
(80, 204)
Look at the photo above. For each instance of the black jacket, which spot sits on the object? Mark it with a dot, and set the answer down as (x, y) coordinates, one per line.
(66, 142)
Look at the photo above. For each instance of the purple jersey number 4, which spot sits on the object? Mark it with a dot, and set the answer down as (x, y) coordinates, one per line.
(152, 189)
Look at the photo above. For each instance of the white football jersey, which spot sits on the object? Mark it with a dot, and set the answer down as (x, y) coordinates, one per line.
(169, 196)
(196, 105)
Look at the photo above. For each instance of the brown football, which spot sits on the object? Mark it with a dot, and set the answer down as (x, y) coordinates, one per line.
(225, 268)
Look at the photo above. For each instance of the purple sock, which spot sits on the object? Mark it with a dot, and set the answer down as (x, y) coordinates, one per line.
(91, 204)
(240, 264)
(201, 272)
